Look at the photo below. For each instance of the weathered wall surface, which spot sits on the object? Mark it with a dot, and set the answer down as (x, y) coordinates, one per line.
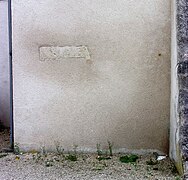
(175, 150)
(120, 92)
(4, 67)
(179, 118)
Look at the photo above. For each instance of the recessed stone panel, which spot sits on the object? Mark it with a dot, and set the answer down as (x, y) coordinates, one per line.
(57, 53)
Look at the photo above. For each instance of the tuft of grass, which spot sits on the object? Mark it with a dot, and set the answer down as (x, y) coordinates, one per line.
(128, 159)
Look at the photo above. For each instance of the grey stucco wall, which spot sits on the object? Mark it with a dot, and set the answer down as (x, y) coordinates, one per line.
(4, 67)
(120, 94)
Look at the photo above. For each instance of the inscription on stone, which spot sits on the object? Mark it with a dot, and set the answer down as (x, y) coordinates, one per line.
(58, 53)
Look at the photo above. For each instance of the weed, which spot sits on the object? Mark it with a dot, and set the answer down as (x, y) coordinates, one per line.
(59, 148)
(110, 145)
(16, 149)
(101, 155)
(99, 151)
(43, 151)
(128, 159)
(72, 157)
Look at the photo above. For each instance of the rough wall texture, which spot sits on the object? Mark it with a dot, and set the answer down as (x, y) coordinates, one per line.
(4, 67)
(182, 71)
(120, 94)
(179, 95)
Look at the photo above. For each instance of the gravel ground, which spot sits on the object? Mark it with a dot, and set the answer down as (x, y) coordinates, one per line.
(54, 166)
(48, 166)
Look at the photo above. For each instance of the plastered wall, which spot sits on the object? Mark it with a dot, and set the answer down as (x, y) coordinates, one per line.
(4, 66)
(119, 94)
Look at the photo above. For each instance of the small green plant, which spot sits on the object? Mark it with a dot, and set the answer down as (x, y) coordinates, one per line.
(128, 159)
(152, 162)
(16, 149)
(72, 157)
(110, 146)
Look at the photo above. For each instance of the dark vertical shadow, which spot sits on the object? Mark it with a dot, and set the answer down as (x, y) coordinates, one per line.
(11, 77)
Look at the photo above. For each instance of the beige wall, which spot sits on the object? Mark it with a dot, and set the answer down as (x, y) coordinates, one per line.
(120, 94)
(4, 65)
